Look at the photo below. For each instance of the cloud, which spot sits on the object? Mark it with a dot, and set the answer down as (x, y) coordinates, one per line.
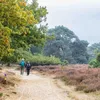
(81, 16)
(68, 2)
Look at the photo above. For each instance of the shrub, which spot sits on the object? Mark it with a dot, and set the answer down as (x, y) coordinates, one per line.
(37, 59)
(94, 63)
(64, 62)
(44, 60)
(98, 58)
(84, 78)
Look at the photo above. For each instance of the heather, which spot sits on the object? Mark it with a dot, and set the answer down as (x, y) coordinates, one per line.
(83, 78)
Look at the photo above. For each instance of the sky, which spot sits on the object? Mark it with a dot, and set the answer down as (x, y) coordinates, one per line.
(80, 16)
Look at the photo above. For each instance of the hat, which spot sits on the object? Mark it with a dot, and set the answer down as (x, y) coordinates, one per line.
(23, 59)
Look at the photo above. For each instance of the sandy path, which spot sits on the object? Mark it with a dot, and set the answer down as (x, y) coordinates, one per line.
(37, 87)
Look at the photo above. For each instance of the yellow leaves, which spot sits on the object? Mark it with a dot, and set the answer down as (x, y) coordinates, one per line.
(6, 41)
(35, 21)
(22, 3)
(2, 1)
(4, 37)
(10, 50)
(30, 18)
(15, 15)
(14, 19)
(32, 21)
(29, 12)
(17, 6)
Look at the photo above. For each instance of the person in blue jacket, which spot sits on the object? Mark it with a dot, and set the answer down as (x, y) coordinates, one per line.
(22, 66)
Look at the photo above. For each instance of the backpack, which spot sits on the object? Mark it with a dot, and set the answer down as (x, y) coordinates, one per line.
(22, 63)
(28, 65)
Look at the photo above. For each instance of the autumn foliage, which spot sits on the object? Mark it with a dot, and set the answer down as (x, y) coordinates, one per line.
(14, 19)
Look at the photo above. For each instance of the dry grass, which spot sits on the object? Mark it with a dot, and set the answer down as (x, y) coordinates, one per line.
(84, 78)
(7, 83)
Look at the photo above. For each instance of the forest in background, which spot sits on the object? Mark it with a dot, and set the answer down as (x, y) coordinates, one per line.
(22, 35)
(67, 46)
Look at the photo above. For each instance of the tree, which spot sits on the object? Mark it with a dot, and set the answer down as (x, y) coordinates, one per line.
(18, 26)
(4, 41)
(59, 46)
(36, 49)
(79, 51)
(14, 18)
(37, 35)
(93, 50)
(66, 45)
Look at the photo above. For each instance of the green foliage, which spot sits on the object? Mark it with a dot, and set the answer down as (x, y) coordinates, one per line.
(36, 59)
(14, 18)
(1, 94)
(64, 62)
(66, 46)
(38, 12)
(9, 59)
(45, 60)
(59, 46)
(36, 49)
(79, 51)
(98, 58)
(95, 62)
(93, 50)
(20, 53)
(18, 27)
(33, 35)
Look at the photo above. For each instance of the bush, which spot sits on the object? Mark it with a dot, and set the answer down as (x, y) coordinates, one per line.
(94, 63)
(98, 58)
(37, 59)
(44, 60)
(64, 62)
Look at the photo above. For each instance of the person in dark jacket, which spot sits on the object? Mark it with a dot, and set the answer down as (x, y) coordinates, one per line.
(28, 67)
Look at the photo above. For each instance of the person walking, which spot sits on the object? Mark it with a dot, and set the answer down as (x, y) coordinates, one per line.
(28, 67)
(22, 66)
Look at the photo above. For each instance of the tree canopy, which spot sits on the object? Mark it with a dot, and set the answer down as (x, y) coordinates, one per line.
(18, 25)
(66, 46)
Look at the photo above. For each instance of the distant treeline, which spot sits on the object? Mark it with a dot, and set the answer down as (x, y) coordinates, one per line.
(64, 45)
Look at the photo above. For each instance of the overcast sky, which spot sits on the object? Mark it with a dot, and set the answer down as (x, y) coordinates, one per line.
(80, 16)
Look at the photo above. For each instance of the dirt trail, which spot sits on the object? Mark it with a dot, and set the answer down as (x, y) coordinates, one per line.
(37, 87)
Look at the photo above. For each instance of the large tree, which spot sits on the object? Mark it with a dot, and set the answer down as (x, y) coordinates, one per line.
(36, 32)
(59, 46)
(79, 51)
(18, 25)
(14, 17)
(66, 45)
